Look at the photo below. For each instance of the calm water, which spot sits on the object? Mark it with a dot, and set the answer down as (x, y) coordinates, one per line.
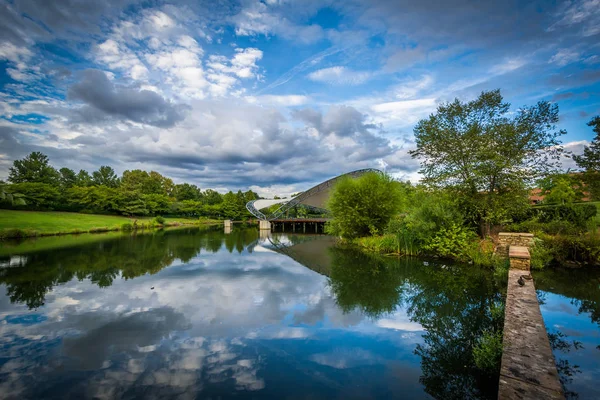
(203, 314)
(570, 304)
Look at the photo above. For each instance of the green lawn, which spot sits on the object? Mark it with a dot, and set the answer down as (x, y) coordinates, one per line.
(34, 223)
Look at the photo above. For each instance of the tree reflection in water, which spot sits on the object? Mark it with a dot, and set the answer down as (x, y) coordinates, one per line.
(103, 262)
(452, 303)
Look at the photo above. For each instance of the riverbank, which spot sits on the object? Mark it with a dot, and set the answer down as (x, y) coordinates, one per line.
(21, 224)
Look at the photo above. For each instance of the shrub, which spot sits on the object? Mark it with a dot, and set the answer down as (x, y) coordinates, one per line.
(363, 206)
(451, 242)
(541, 256)
(127, 226)
(159, 220)
(583, 249)
(481, 252)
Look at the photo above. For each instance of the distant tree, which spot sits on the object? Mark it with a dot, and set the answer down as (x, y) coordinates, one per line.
(488, 155)
(589, 161)
(34, 168)
(83, 179)
(68, 178)
(185, 191)
(105, 176)
(363, 206)
(561, 189)
(212, 197)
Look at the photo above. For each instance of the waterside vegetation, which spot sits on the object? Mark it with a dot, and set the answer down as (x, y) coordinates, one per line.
(479, 164)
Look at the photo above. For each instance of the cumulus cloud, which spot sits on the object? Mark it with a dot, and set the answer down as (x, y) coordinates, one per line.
(142, 106)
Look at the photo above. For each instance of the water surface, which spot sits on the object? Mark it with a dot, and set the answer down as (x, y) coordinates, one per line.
(570, 305)
(196, 313)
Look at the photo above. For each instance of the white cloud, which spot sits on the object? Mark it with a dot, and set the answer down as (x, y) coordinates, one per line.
(508, 65)
(283, 100)
(340, 76)
(564, 57)
(407, 111)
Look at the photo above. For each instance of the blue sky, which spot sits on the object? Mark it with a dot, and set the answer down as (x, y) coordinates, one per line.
(276, 95)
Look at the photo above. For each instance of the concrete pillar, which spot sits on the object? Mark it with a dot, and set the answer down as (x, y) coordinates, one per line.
(263, 225)
(304, 227)
(294, 227)
(227, 223)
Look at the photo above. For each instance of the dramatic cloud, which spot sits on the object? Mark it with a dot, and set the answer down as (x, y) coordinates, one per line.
(143, 106)
(275, 95)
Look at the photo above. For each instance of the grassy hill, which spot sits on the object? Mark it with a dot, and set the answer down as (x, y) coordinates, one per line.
(40, 223)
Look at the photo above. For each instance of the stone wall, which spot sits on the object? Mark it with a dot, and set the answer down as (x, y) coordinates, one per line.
(507, 239)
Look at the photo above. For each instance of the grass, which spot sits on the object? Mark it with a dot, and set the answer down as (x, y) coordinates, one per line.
(17, 224)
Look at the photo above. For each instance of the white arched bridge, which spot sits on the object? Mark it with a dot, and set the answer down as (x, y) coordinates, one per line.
(315, 197)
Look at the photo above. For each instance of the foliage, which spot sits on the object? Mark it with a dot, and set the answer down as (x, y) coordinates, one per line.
(561, 188)
(159, 220)
(486, 155)
(564, 218)
(363, 206)
(105, 176)
(581, 249)
(541, 256)
(450, 242)
(34, 168)
(589, 161)
(37, 194)
(127, 226)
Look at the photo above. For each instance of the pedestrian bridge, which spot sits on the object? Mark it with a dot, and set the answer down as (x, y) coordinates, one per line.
(315, 197)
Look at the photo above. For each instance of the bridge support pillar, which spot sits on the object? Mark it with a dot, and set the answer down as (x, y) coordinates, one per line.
(227, 223)
(264, 225)
(304, 227)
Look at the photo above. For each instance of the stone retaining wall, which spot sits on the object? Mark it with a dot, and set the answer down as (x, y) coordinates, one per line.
(507, 239)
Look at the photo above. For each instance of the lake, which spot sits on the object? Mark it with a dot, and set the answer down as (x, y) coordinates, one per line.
(198, 313)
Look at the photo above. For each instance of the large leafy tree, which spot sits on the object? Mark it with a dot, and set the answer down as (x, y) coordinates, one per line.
(363, 206)
(68, 178)
(105, 176)
(83, 179)
(34, 168)
(589, 161)
(487, 154)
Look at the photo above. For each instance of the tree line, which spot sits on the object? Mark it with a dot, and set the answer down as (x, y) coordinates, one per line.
(479, 163)
(34, 184)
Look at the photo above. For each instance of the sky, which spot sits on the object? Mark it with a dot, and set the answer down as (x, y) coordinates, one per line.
(276, 95)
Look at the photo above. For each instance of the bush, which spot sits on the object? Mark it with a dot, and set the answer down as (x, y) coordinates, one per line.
(481, 252)
(363, 206)
(127, 226)
(541, 256)
(581, 249)
(451, 242)
(159, 220)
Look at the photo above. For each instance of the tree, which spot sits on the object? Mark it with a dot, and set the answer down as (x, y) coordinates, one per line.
(68, 178)
(589, 161)
(185, 191)
(561, 189)
(363, 206)
(34, 168)
(105, 176)
(488, 155)
(83, 178)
